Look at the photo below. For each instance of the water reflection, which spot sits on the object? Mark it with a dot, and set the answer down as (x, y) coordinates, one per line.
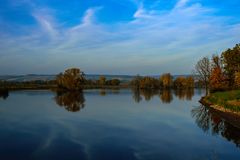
(136, 95)
(71, 101)
(4, 94)
(166, 96)
(74, 101)
(210, 121)
(104, 92)
(184, 94)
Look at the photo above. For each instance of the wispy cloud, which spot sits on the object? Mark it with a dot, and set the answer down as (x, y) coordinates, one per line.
(153, 42)
(46, 25)
(181, 3)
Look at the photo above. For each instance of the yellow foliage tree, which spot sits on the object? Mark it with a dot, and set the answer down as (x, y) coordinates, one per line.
(71, 79)
(166, 80)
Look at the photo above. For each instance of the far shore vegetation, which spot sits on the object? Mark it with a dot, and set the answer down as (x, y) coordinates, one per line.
(73, 79)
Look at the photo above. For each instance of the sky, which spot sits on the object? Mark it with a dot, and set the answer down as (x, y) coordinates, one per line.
(147, 37)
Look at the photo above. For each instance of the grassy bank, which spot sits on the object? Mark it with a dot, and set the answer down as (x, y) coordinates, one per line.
(229, 100)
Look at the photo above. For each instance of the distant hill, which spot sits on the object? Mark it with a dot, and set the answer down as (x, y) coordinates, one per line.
(32, 77)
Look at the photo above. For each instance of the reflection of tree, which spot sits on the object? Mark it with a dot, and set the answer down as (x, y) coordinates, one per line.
(146, 93)
(184, 94)
(202, 117)
(71, 101)
(149, 93)
(210, 121)
(102, 92)
(136, 95)
(166, 96)
(115, 91)
(4, 94)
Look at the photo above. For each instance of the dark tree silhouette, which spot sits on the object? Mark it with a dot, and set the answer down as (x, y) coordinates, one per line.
(4, 94)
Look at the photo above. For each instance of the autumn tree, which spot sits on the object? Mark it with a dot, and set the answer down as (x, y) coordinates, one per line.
(231, 61)
(71, 79)
(203, 70)
(102, 80)
(190, 82)
(217, 78)
(113, 82)
(149, 83)
(135, 82)
(166, 80)
(180, 82)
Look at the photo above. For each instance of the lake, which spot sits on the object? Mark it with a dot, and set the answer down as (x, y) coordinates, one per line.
(114, 125)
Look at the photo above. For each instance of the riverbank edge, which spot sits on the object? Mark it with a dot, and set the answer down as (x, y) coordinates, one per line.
(228, 115)
(205, 102)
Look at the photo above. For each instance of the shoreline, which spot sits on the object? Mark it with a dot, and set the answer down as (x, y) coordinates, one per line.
(219, 108)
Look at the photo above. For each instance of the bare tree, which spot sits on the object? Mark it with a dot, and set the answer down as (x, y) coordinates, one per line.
(203, 70)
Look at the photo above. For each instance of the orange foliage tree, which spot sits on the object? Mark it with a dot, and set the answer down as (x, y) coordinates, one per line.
(217, 77)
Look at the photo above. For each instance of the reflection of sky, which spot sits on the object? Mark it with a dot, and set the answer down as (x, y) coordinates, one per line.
(109, 127)
(113, 36)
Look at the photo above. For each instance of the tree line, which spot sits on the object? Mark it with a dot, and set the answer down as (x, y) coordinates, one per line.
(220, 72)
(73, 79)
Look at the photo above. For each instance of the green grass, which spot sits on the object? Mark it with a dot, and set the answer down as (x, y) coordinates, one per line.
(229, 99)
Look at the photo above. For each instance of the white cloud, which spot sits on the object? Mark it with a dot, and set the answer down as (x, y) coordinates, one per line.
(149, 44)
(181, 3)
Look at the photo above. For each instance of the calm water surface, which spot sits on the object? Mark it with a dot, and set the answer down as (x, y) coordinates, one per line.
(113, 125)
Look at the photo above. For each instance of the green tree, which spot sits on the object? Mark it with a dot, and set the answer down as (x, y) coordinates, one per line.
(231, 61)
(237, 79)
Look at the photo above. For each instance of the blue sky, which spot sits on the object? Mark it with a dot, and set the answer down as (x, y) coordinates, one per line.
(112, 36)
